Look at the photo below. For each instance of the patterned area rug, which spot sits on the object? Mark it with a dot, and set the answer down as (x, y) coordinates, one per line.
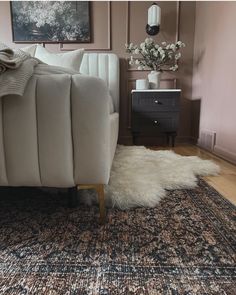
(186, 245)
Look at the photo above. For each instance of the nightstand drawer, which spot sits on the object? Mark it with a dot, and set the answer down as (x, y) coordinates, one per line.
(155, 122)
(155, 101)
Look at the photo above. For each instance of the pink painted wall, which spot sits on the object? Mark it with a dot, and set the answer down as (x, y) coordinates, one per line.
(214, 78)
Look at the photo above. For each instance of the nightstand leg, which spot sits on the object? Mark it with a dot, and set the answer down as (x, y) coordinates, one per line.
(167, 139)
(173, 139)
(135, 138)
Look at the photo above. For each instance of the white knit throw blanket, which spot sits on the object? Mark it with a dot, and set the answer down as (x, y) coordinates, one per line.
(16, 68)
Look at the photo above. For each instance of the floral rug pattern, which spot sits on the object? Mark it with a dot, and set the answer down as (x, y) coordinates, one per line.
(184, 246)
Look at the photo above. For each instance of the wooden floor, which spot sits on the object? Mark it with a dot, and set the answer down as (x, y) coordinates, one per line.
(225, 182)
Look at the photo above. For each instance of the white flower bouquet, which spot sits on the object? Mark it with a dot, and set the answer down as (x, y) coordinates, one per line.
(155, 57)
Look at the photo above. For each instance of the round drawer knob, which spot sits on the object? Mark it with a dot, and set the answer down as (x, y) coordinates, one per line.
(156, 122)
(156, 101)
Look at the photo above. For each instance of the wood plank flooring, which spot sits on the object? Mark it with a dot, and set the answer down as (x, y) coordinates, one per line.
(225, 182)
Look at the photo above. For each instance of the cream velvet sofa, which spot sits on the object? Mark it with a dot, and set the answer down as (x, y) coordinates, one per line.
(66, 137)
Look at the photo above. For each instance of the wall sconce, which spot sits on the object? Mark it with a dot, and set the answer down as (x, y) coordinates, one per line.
(154, 20)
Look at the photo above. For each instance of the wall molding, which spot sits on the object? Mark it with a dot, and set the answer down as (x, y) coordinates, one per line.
(178, 3)
(127, 38)
(109, 35)
(186, 139)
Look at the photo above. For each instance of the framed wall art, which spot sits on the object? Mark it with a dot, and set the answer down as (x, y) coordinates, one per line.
(51, 21)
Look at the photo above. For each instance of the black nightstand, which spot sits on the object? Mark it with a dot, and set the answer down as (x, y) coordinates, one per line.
(155, 113)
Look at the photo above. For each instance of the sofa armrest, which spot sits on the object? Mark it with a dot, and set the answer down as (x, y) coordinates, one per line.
(90, 130)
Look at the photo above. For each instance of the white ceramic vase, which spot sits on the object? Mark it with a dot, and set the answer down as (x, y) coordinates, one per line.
(154, 79)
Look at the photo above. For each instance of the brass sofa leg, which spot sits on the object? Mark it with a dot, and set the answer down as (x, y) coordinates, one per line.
(101, 198)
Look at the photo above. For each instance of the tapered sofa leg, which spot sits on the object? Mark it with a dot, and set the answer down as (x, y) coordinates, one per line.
(101, 198)
(72, 197)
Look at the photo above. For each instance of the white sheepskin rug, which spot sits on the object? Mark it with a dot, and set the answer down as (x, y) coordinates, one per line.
(140, 176)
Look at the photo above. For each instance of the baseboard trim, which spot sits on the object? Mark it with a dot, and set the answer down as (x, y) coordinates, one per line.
(186, 139)
(128, 140)
(225, 154)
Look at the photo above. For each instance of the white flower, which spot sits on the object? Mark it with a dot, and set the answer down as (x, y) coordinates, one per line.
(148, 41)
(131, 62)
(142, 45)
(131, 45)
(180, 44)
(174, 68)
(178, 55)
(172, 46)
(154, 55)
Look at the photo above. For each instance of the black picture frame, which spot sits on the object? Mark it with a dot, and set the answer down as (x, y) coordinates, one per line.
(73, 30)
